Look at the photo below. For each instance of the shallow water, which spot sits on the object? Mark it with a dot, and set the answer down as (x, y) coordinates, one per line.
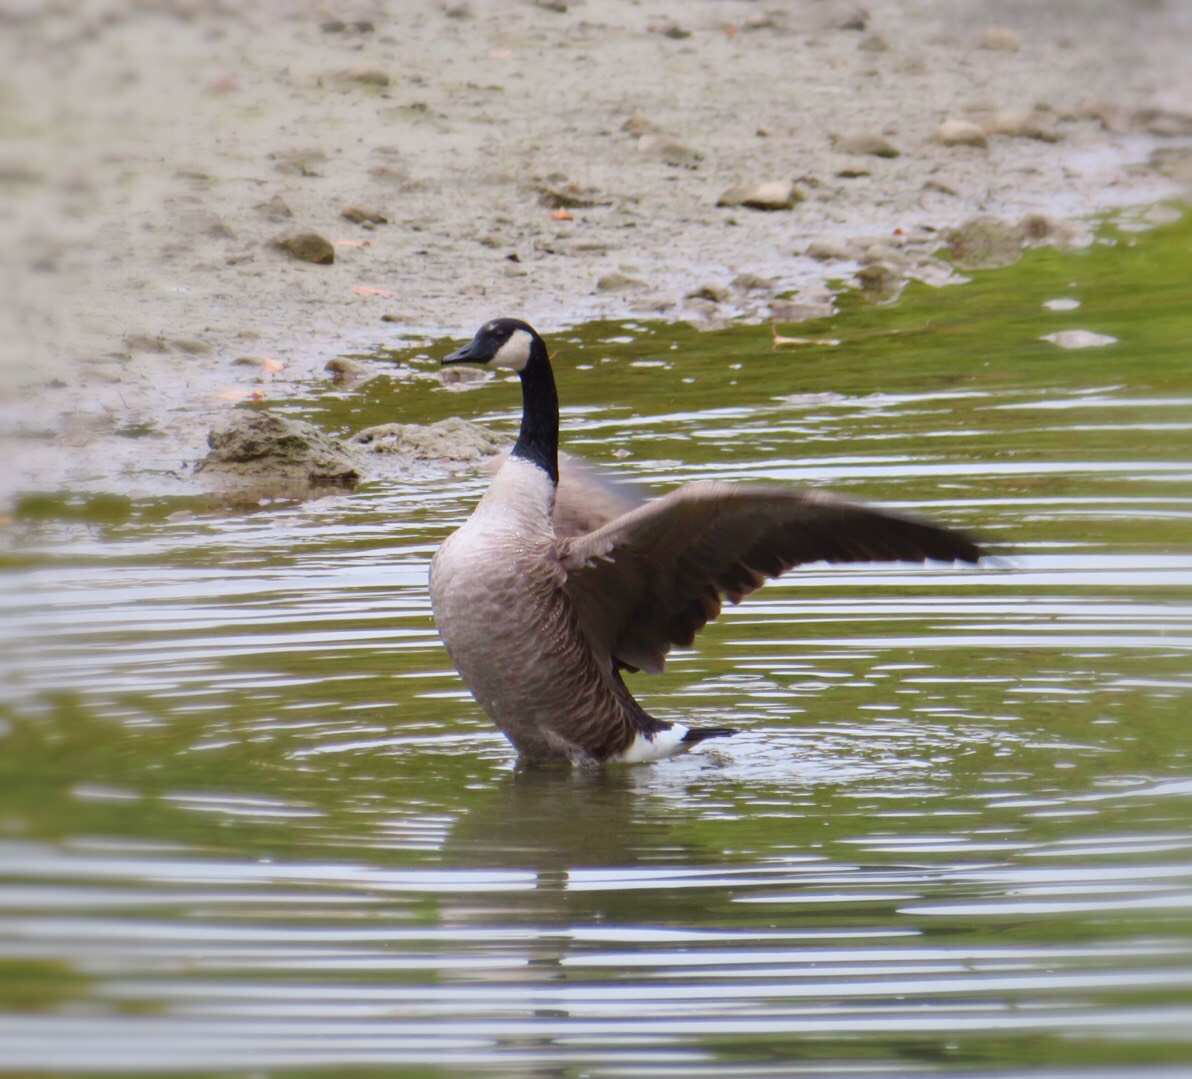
(250, 820)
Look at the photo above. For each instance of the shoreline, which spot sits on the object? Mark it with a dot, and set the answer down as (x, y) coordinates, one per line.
(559, 161)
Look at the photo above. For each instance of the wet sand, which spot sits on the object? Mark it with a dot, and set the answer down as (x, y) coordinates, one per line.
(557, 160)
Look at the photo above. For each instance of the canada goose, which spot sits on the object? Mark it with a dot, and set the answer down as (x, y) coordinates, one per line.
(541, 624)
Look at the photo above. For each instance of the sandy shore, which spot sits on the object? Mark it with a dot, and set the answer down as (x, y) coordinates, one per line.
(556, 160)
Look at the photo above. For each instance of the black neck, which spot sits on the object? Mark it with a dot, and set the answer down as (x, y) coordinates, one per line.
(538, 439)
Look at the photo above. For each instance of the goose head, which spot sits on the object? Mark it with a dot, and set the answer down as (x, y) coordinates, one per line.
(503, 342)
(516, 346)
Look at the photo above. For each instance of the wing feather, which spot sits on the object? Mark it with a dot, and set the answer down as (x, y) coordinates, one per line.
(655, 576)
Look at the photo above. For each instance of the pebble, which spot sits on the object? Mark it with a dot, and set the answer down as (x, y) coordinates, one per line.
(865, 143)
(769, 195)
(358, 215)
(275, 209)
(751, 282)
(618, 282)
(710, 292)
(667, 28)
(1000, 39)
(800, 310)
(984, 243)
(460, 378)
(960, 133)
(307, 246)
(1079, 339)
(568, 195)
(880, 280)
(1024, 124)
(828, 251)
(365, 76)
(669, 150)
(344, 371)
(873, 43)
(1063, 303)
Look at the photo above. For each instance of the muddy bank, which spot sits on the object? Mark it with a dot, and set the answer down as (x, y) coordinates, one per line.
(165, 165)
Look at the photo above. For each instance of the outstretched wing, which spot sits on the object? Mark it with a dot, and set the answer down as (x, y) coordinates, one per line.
(653, 578)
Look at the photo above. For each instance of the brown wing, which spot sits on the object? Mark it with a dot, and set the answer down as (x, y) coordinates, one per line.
(654, 577)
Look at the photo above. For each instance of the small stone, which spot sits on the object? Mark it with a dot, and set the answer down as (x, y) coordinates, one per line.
(711, 293)
(798, 310)
(960, 133)
(638, 124)
(275, 209)
(1062, 303)
(457, 9)
(1079, 339)
(828, 251)
(458, 378)
(880, 281)
(618, 282)
(358, 215)
(671, 151)
(190, 346)
(365, 76)
(333, 26)
(769, 195)
(308, 247)
(751, 282)
(1167, 123)
(873, 43)
(985, 243)
(345, 371)
(568, 195)
(557, 6)
(865, 143)
(299, 162)
(143, 342)
(667, 28)
(1024, 124)
(1000, 39)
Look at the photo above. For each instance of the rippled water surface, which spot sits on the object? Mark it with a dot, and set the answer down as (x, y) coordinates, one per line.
(249, 819)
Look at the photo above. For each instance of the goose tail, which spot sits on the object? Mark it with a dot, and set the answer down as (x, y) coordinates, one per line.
(694, 735)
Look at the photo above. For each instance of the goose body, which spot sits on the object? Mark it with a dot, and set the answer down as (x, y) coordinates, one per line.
(541, 608)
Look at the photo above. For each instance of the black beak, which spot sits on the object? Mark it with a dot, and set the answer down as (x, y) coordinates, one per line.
(468, 354)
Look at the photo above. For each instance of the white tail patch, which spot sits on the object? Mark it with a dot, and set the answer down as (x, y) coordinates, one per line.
(514, 353)
(661, 745)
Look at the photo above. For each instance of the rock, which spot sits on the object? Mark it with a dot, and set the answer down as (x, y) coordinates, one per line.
(873, 43)
(274, 209)
(667, 28)
(276, 455)
(769, 195)
(864, 143)
(568, 195)
(358, 215)
(985, 243)
(452, 439)
(1079, 339)
(1024, 124)
(711, 293)
(751, 282)
(461, 378)
(638, 124)
(844, 16)
(1174, 163)
(143, 342)
(191, 346)
(960, 133)
(801, 310)
(880, 281)
(1000, 39)
(1167, 123)
(364, 76)
(299, 162)
(307, 246)
(348, 372)
(671, 151)
(457, 9)
(828, 251)
(558, 6)
(618, 282)
(1062, 303)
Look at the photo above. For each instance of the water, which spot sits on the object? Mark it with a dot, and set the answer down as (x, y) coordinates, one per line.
(250, 821)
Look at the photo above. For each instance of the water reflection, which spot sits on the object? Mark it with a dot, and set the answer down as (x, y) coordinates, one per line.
(250, 820)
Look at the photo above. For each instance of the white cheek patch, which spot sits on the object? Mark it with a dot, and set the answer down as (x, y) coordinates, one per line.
(514, 353)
